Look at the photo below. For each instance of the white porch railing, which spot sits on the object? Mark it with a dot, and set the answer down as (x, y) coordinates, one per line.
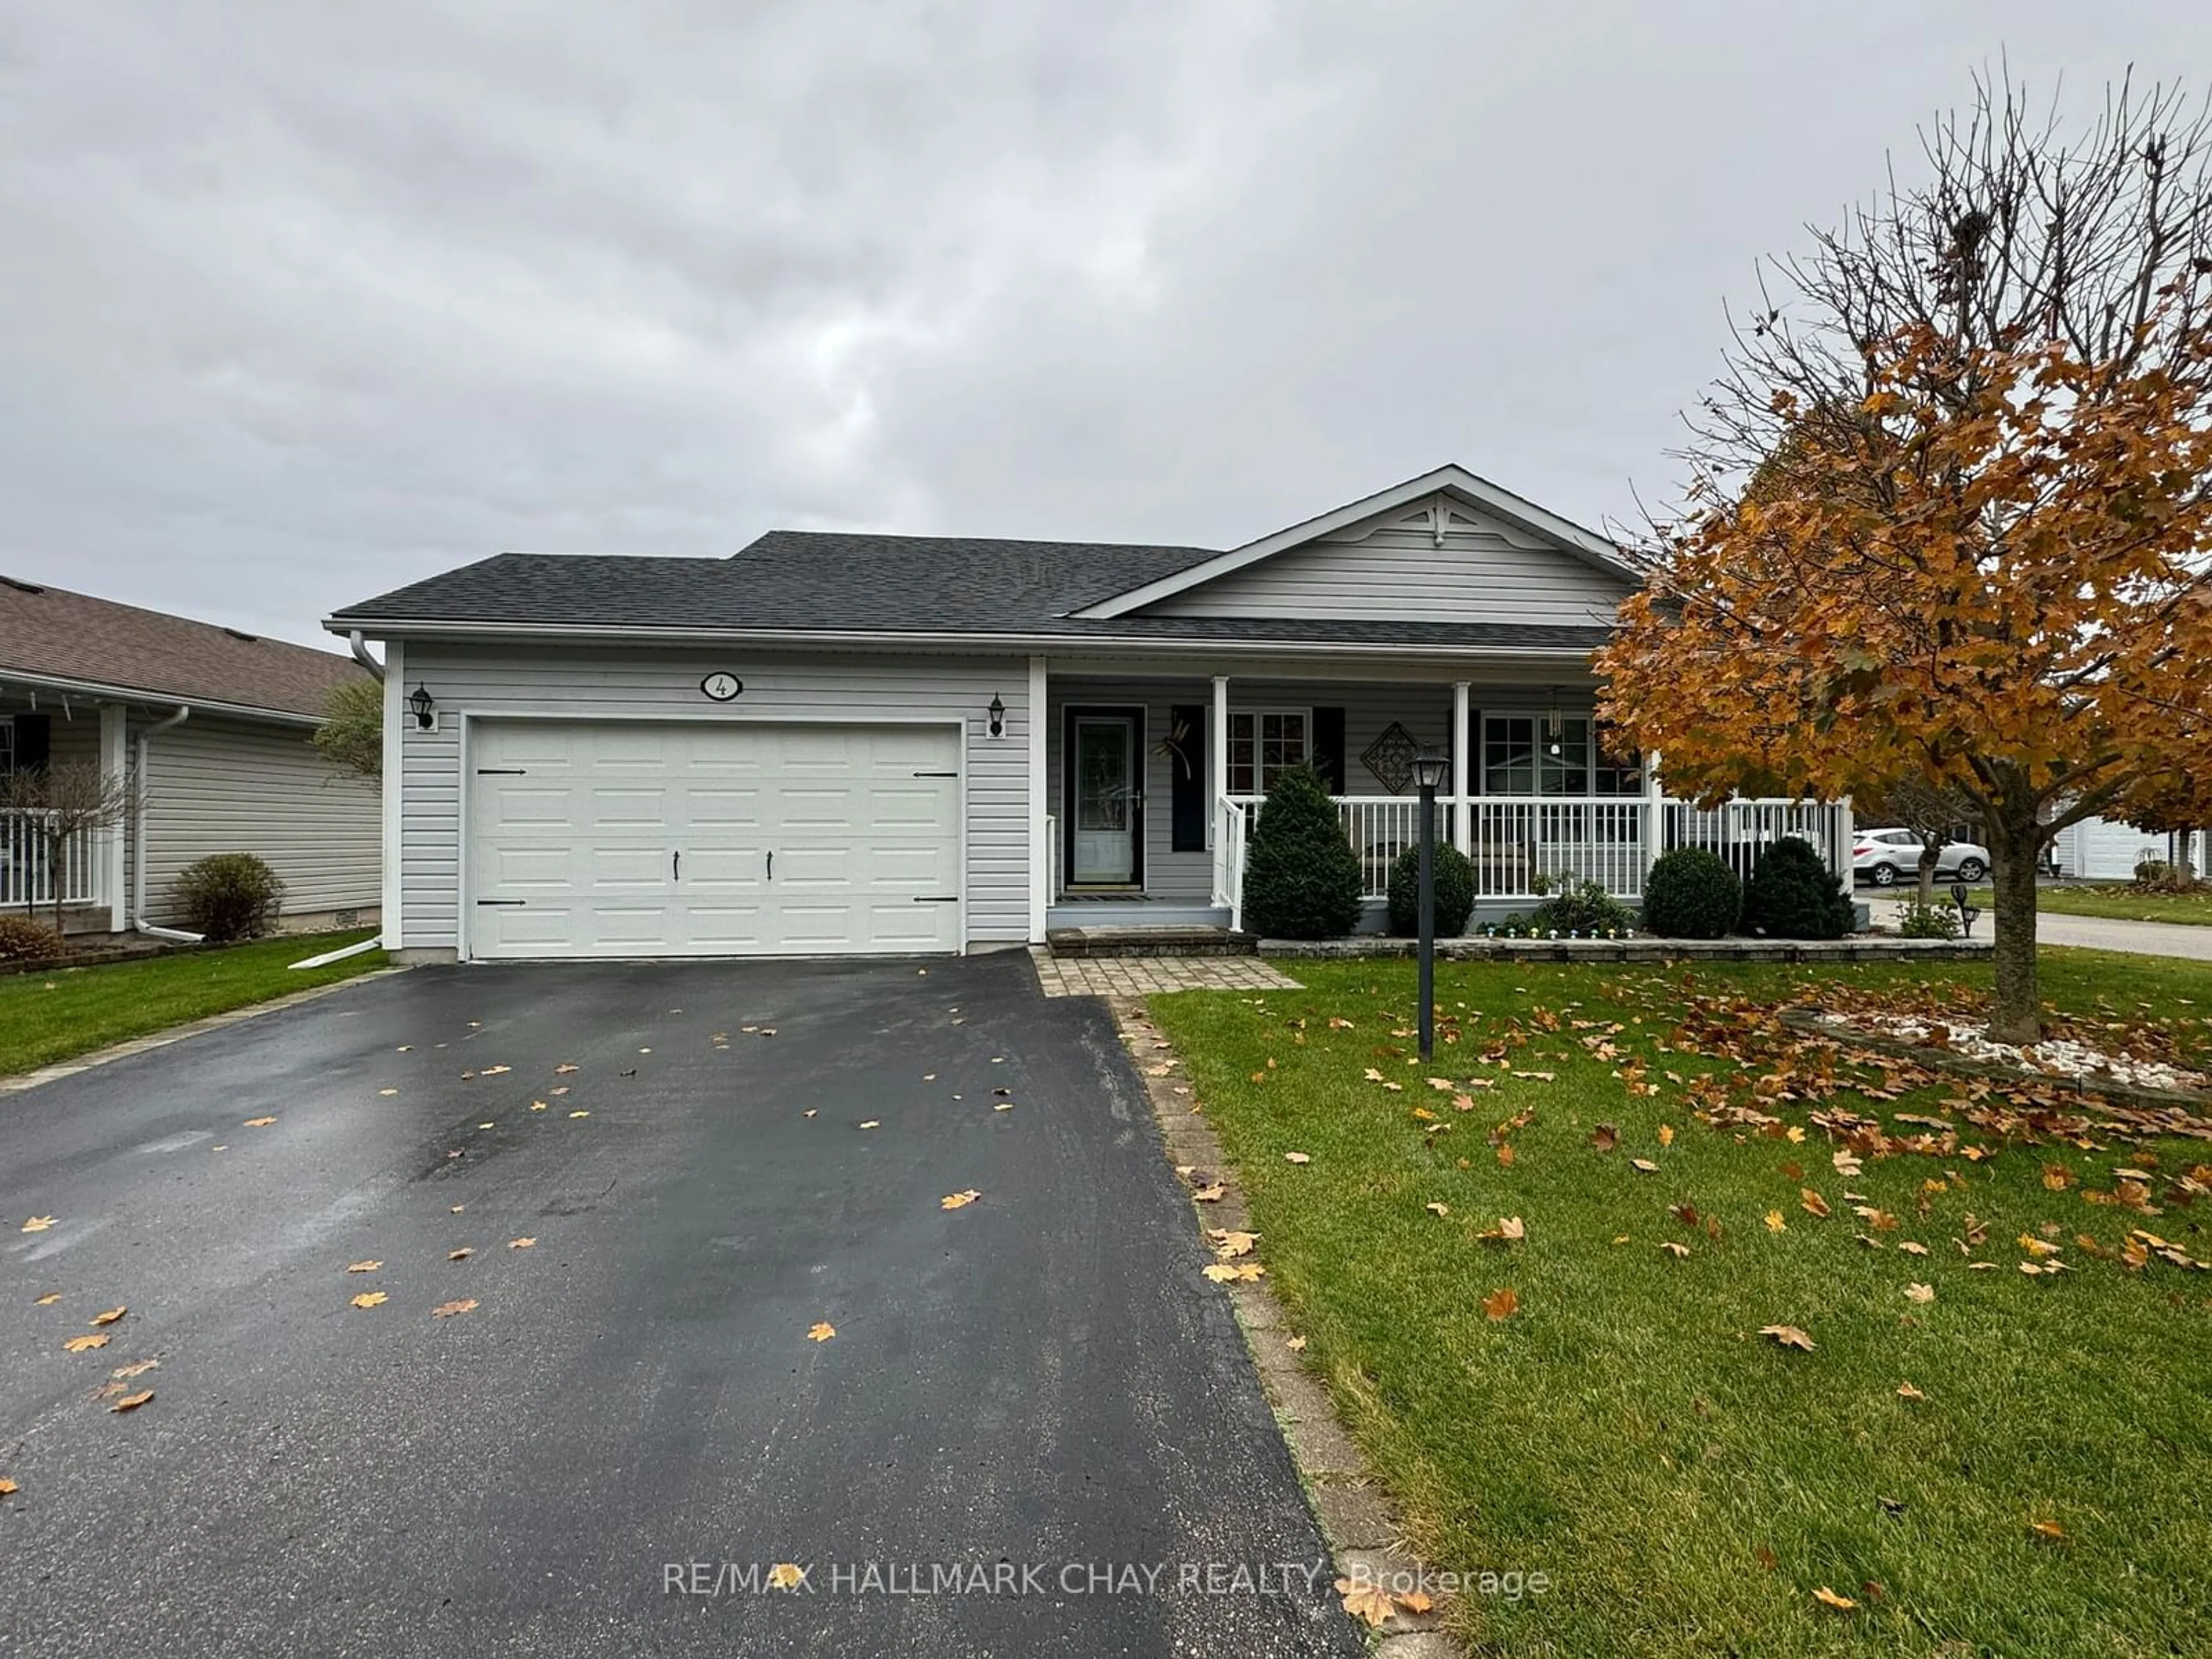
(1513, 841)
(28, 872)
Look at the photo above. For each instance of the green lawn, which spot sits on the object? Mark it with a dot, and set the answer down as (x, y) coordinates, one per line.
(47, 1017)
(1686, 1485)
(2120, 903)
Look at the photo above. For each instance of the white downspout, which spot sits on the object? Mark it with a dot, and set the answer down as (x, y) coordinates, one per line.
(361, 654)
(138, 839)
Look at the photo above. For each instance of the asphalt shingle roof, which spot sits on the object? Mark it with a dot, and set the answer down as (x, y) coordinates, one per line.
(835, 582)
(49, 632)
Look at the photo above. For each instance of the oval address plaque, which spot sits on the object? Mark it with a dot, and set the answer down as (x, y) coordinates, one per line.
(721, 687)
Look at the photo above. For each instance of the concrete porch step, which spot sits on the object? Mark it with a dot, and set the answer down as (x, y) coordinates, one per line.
(1158, 939)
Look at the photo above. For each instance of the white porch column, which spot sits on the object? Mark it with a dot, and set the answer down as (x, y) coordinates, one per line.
(1217, 784)
(1655, 811)
(394, 769)
(1040, 895)
(115, 840)
(1462, 771)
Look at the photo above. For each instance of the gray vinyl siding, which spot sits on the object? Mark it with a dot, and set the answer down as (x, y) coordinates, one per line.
(1485, 571)
(608, 682)
(214, 785)
(1369, 708)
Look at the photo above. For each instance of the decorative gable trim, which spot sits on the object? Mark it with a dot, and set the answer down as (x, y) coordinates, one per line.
(1430, 500)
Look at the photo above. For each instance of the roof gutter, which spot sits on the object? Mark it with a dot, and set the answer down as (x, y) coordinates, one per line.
(887, 640)
(138, 921)
(150, 697)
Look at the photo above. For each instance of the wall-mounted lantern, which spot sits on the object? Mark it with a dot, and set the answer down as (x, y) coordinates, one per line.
(998, 712)
(419, 701)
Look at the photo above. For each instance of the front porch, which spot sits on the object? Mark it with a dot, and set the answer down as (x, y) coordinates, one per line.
(1155, 786)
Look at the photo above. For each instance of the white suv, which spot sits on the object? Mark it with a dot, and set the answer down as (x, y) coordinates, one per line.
(1886, 857)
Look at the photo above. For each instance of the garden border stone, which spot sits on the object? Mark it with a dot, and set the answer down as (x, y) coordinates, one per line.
(1863, 948)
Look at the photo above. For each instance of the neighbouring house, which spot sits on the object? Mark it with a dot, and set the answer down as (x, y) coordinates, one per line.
(215, 726)
(830, 742)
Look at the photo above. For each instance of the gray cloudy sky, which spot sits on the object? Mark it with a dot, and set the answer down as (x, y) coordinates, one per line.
(299, 302)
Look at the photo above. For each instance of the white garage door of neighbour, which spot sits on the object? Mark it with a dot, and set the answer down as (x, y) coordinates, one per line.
(2107, 851)
(648, 838)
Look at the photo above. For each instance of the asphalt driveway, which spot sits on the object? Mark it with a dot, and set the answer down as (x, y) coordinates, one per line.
(1034, 1429)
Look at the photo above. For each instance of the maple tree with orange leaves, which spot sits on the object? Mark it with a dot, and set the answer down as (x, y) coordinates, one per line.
(1949, 514)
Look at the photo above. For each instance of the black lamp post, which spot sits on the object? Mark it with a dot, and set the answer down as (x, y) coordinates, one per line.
(1429, 773)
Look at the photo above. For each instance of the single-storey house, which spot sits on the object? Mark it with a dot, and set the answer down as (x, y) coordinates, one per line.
(830, 742)
(217, 728)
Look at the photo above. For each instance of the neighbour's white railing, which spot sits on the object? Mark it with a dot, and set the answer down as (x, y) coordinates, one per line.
(1514, 840)
(27, 872)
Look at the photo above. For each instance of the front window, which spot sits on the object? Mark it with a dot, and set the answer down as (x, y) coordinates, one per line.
(1265, 743)
(1552, 754)
(7, 744)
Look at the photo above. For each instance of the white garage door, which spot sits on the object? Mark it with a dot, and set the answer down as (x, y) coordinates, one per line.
(646, 838)
(2105, 851)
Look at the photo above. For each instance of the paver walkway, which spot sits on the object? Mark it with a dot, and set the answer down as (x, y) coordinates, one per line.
(1144, 977)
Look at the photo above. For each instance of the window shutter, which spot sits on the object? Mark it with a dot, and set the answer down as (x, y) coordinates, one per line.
(1187, 776)
(34, 741)
(1328, 747)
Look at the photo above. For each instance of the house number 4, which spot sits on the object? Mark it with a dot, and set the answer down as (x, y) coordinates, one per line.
(721, 687)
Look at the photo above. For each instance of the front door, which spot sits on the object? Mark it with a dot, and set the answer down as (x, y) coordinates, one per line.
(1104, 813)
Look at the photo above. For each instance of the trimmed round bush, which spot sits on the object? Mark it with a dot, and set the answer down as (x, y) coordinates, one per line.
(1302, 879)
(228, 895)
(1792, 894)
(24, 939)
(1454, 876)
(1690, 894)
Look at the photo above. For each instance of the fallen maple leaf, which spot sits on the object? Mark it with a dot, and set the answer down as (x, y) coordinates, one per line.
(1643, 1165)
(79, 1344)
(873, 1123)
(371, 1299)
(1907, 1391)
(8, 1488)
(579, 1114)
(1605, 1137)
(461, 1255)
(1788, 1336)
(1828, 1598)
(123, 1373)
(1297, 1158)
(1243, 1273)
(1370, 1603)
(1511, 1227)
(363, 1267)
(1295, 1344)
(1775, 1223)
(2048, 1529)
(822, 1331)
(37, 1224)
(1212, 1194)
(1435, 1208)
(1920, 1292)
(1673, 1249)
(131, 1403)
(563, 1069)
(259, 1123)
(958, 1201)
(447, 1309)
(785, 1575)
(1813, 1203)
(1502, 1304)
(1230, 1244)
(110, 1316)
(521, 1244)
(48, 1299)
(1666, 1134)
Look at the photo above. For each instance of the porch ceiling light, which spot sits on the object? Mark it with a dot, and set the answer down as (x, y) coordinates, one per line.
(998, 715)
(419, 701)
(1429, 768)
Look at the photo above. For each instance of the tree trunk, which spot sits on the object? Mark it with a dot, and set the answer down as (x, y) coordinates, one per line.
(1928, 856)
(2016, 1010)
